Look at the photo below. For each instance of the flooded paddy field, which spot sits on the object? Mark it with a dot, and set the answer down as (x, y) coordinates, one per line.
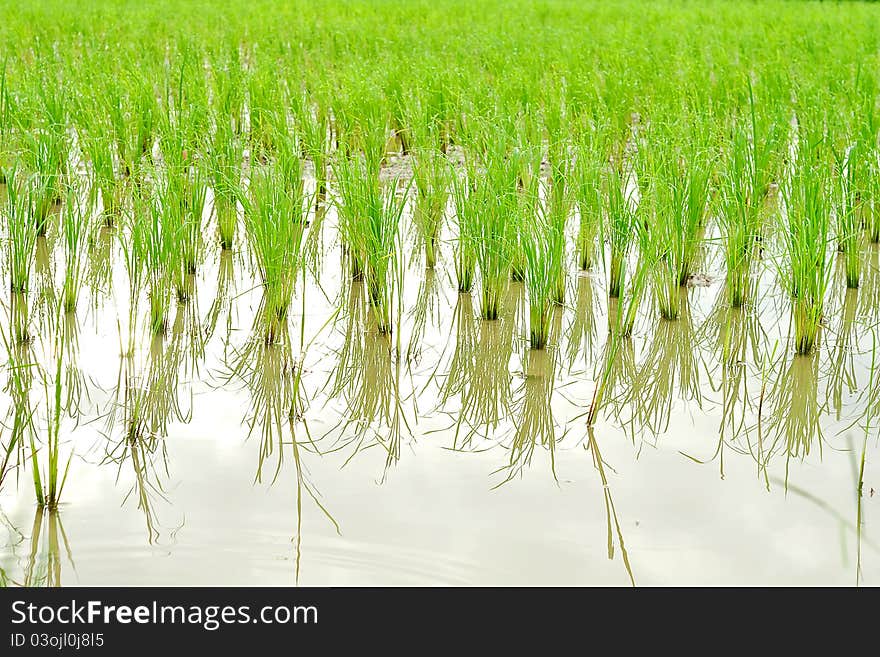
(451, 453)
(345, 296)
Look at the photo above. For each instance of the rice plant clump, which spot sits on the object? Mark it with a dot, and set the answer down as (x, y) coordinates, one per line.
(805, 233)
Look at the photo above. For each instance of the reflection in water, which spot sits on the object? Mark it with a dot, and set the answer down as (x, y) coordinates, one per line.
(615, 373)
(869, 292)
(426, 311)
(75, 380)
(794, 420)
(463, 361)
(534, 413)
(99, 273)
(670, 366)
(222, 303)
(582, 332)
(737, 339)
(19, 430)
(842, 370)
(45, 556)
(46, 301)
(278, 401)
(485, 398)
(610, 510)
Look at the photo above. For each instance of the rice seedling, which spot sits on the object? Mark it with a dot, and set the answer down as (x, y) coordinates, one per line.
(618, 227)
(369, 220)
(541, 272)
(848, 188)
(430, 174)
(676, 181)
(749, 170)
(75, 230)
(276, 229)
(587, 184)
(467, 199)
(494, 233)
(805, 235)
(21, 242)
(151, 250)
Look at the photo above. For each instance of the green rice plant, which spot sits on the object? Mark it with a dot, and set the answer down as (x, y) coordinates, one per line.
(467, 199)
(848, 188)
(6, 123)
(430, 177)
(673, 209)
(750, 168)
(149, 252)
(75, 231)
(228, 88)
(105, 184)
(21, 242)
(49, 481)
(265, 115)
(276, 228)
(557, 211)
(542, 259)
(369, 223)
(805, 235)
(617, 227)
(44, 158)
(587, 185)
(225, 167)
(132, 107)
(313, 126)
(183, 198)
(495, 231)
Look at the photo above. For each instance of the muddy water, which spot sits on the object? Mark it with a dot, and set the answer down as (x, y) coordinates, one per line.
(448, 454)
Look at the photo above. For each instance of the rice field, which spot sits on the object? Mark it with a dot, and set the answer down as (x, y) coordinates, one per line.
(377, 292)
